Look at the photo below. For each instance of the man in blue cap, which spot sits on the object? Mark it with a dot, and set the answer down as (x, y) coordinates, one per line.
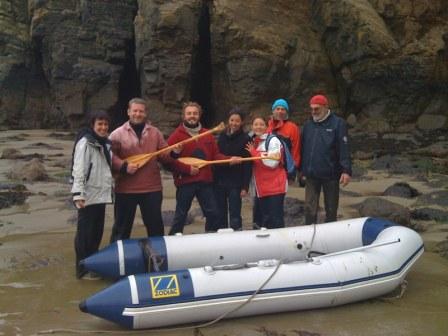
(280, 124)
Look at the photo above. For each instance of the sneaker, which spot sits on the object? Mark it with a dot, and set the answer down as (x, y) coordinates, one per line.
(91, 276)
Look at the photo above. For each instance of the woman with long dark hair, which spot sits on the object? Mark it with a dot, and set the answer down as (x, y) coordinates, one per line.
(92, 187)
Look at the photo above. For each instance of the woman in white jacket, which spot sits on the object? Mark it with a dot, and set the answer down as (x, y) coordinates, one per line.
(92, 187)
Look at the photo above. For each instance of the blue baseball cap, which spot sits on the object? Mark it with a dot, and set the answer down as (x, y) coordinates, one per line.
(282, 103)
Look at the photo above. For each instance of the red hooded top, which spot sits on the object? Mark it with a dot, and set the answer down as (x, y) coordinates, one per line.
(204, 148)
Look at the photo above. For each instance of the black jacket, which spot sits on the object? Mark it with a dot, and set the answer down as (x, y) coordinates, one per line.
(236, 176)
(325, 148)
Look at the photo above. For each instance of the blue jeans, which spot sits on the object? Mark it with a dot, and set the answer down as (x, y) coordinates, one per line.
(206, 198)
(271, 208)
(228, 200)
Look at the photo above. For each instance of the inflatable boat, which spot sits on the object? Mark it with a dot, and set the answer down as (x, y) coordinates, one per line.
(169, 253)
(339, 263)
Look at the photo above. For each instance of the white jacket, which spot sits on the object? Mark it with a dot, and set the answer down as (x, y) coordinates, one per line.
(92, 176)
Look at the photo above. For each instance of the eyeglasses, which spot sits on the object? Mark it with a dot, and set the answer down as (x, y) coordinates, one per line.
(313, 109)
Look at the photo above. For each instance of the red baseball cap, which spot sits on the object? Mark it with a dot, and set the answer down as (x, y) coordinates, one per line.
(319, 100)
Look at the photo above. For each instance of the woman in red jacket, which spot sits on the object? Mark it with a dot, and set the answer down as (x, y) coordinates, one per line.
(269, 176)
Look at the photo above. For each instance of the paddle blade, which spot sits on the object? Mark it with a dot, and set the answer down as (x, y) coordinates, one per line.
(193, 161)
(139, 159)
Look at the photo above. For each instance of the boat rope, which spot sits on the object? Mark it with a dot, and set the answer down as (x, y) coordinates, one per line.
(198, 326)
(308, 257)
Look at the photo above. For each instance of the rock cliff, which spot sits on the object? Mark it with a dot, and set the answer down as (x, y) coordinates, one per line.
(383, 63)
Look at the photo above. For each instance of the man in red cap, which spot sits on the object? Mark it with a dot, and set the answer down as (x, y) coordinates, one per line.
(326, 161)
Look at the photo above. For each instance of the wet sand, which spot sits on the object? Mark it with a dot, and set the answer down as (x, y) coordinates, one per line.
(39, 294)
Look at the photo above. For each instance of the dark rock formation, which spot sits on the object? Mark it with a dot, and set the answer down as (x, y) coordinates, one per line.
(378, 207)
(383, 62)
(397, 165)
(401, 189)
(430, 214)
(64, 59)
(439, 198)
(11, 154)
(12, 194)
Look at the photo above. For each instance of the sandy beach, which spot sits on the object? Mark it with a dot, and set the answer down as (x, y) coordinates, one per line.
(40, 294)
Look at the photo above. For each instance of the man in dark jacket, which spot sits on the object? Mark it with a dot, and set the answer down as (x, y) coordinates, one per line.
(326, 161)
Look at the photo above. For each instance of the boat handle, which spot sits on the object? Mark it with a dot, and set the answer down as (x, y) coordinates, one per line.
(356, 249)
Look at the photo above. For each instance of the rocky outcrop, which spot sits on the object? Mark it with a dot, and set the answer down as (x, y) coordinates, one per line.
(390, 58)
(31, 171)
(12, 194)
(401, 189)
(166, 34)
(378, 207)
(383, 62)
(261, 52)
(69, 58)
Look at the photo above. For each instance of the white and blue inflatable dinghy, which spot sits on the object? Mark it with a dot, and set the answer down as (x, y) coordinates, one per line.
(342, 262)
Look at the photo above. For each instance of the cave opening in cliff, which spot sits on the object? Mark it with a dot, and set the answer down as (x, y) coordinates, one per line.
(201, 70)
(129, 86)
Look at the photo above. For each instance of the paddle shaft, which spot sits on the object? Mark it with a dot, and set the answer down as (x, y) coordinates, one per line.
(243, 159)
(142, 159)
(202, 163)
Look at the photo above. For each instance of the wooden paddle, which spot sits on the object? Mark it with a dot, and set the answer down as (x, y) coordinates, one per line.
(192, 161)
(142, 159)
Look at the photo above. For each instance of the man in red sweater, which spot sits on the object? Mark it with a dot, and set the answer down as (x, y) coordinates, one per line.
(136, 185)
(199, 181)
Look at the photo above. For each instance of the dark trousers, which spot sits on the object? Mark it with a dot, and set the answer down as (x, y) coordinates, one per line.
(206, 198)
(88, 233)
(256, 214)
(331, 199)
(228, 201)
(124, 210)
(271, 208)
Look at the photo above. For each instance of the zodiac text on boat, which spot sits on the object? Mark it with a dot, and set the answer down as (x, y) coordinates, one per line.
(164, 286)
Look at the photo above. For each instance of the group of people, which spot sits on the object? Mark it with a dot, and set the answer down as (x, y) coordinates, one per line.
(320, 154)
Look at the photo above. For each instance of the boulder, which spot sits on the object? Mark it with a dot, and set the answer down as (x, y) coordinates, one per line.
(427, 213)
(11, 154)
(378, 207)
(438, 149)
(438, 198)
(396, 165)
(401, 189)
(12, 194)
(430, 122)
(30, 172)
